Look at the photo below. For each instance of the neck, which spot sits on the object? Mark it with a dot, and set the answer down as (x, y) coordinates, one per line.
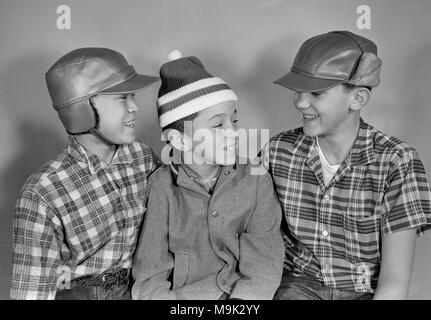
(205, 171)
(103, 150)
(337, 146)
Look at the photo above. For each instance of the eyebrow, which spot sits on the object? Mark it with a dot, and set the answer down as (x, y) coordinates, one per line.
(222, 114)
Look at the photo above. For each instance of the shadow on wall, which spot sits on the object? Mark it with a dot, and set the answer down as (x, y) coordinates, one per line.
(35, 141)
(412, 117)
(273, 104)
(262, 104)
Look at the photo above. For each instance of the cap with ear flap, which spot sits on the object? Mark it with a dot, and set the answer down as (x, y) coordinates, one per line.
(329, 59)
(83, 73)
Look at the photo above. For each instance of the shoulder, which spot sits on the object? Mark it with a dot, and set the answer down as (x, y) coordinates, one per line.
(253, 171)
(161, 178)
(287, 138)
(37, 195)
(44, 178)
(389, 148)
(287, 142)
(140, 150)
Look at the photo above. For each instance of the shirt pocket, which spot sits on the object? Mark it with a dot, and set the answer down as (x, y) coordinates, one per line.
(181, 269)
(362, 216)
(362, 237)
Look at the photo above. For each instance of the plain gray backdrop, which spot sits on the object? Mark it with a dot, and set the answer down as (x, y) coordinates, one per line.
(248, 43)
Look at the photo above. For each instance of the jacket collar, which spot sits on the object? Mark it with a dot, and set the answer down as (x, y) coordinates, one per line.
(184, 176)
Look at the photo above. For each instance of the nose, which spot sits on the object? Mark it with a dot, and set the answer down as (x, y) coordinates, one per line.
(301, 100)
(131, 104)
(231, 130)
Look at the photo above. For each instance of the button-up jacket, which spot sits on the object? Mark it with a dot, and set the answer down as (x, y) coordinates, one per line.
(194, 245)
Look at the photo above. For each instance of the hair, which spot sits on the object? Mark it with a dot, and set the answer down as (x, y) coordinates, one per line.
(179, 124)
(349, 87)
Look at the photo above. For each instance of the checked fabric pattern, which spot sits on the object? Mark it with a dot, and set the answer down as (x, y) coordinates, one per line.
(333, 233)
(78, 215)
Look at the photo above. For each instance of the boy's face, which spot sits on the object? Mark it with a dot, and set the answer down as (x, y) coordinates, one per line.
(215, 133)
(117, 116)
(324, 113)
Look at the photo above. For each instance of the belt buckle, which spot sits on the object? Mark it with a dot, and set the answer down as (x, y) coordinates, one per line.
(104, 278)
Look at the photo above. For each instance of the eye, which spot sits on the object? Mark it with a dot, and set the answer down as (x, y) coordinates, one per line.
(317, 93)
(235, 121)
(126, 96)
(219, 125)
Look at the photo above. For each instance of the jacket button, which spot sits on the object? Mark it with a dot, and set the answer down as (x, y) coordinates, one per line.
(214, 213)
(227, 172)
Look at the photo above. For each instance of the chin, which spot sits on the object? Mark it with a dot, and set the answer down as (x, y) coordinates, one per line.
(129, 139)
(228, 160)
(126, 141)
(310, 132)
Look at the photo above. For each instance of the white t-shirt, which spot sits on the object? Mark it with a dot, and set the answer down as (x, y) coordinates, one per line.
(328, 169)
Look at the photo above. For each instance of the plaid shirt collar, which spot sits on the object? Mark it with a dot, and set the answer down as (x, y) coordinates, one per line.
(362, 151)
(76, 150)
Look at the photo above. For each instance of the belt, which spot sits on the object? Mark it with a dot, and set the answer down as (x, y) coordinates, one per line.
(108, 278)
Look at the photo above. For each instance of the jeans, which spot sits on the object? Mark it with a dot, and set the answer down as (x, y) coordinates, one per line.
(303, 288)
(115, 292)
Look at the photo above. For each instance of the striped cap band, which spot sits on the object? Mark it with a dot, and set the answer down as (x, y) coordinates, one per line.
(192, 98)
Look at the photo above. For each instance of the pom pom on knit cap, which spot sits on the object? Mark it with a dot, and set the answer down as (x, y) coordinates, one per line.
(174, 55)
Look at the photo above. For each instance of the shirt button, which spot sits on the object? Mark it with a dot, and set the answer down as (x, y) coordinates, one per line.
(214, 213)
(223, 282)
(327, 197)
(325, 233)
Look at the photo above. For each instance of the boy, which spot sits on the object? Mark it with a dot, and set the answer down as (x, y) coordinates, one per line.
(353, 198)
(212, 229)
(76, 220)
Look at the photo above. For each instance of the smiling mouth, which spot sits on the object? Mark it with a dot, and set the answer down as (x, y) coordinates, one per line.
(310, 117)
(130, 124)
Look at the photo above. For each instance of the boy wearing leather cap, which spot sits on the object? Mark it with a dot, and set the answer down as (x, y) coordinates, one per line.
(212, 229)
(353, 198)
(76, 219)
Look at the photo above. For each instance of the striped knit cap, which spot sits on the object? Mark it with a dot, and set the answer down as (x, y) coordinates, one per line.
(187, 87)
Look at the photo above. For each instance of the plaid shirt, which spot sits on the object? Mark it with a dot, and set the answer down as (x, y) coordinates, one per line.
(333, 233)
(78, 216)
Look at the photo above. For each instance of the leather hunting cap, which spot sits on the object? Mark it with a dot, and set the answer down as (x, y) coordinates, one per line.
(327, 60)
(85, 72)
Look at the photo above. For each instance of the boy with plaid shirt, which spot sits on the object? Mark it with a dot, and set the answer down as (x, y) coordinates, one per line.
(76, 219)
(353, 198)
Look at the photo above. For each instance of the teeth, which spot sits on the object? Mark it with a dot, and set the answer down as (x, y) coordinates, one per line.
(130, 124)
(310, 116)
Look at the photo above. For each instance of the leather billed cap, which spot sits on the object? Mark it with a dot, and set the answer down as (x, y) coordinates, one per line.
(85, 72)
(326, 60)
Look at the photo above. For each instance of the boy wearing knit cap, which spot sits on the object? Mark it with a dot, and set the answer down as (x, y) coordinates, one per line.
(353, 198)
(212, 229)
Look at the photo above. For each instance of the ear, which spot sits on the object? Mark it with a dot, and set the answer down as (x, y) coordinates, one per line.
(359, 98)
(178, 140)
